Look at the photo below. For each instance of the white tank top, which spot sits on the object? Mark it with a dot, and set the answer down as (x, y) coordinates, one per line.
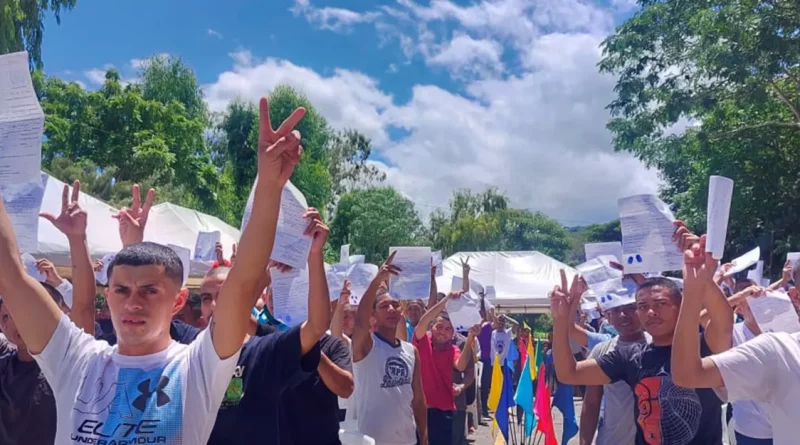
(383, 384)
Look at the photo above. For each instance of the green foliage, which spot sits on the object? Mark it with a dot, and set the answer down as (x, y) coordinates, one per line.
(165, 80)
(484, 222)
(22, 25)
(732, 71)
(373, 220)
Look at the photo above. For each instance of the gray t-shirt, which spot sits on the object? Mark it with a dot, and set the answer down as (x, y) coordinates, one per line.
(617, 423)
(27, 405)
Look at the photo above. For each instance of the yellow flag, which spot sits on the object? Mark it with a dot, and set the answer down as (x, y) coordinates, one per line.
(535, 362)
(532, 357)
(497, 384)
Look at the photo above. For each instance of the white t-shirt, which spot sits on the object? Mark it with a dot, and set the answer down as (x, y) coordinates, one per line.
(766, 369)
(501, 341)
(171, 397)
(751, 418)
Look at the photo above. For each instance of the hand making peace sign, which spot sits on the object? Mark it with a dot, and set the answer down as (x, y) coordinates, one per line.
(72, 220)
(279, 150)
(133, 221)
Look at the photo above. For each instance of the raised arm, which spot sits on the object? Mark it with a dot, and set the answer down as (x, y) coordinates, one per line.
(35, 313)
(719, 329)
(132, 221)
(786, 277)
(464, 358)
(319, 312)
(563, 305)
(434, 294)
(688, 368)
(465, 269)
(362, 339)
(72, 223)
(338, 313)
(278, 153)
(422, 327)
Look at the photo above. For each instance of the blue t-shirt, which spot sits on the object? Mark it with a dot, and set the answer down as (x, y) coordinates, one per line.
(267, 367)
(595, 339)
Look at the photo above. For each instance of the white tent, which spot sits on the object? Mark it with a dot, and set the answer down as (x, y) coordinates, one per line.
(521, 280)
(173, 224)
(102, 233)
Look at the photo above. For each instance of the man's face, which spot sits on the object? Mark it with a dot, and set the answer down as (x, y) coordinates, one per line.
(525, 333)
(414, 311)
(142, 301)
(10, 328)
(656, 310)
(442, 331)
(387, 312)
(348, 320)
(625, 320)
(209, 292)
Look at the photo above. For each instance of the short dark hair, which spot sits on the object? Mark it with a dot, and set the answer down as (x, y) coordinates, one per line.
(150, 254)
(672, 288)
(444, 315)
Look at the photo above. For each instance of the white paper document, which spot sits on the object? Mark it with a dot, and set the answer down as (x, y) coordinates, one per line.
(464, 312)
(599, 270)
(344, 254)
(436, 258)
(647, 229)
(291, 244)
(414, 280)
(29, 262)
(206, 247)
(774, 313)
(594, 250)
(360, 276)
(357, 259)
(290, 295)
(21, 122)
(23, 202)
(186, 259)
(720, 193)
(335, 274)
(792, 258)
(744, 261)
(475, 288)
(756, 274)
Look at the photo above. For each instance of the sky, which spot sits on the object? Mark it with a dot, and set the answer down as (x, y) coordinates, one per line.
(454, 94)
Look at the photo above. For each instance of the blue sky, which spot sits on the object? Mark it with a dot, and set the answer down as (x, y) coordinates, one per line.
(454, 94)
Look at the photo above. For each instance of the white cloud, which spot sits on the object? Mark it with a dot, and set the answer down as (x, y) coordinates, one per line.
(95, 76)
(539, 136)
(138, 64)
(465, 55)
(392, 68)
(214, 33)
(333, 19)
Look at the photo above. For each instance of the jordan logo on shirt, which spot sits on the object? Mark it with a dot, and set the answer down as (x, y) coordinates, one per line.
(397, 373)
(144, 387)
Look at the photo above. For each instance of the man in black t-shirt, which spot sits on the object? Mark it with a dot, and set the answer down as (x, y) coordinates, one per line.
(666, 414)
(316, 397)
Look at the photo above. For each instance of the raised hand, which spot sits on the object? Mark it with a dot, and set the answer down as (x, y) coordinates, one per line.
(220, 254)
(280, 266)
(719, 276)
(344, 295)
(465, 265)
(786, 276)
(698, 268)
(233, 255)
(46, 267)
(317, 230)
(97, 265)
(683, 236)
(388, 269)
(565, 299)
(132, 221)
(72, 220)
(278, 150)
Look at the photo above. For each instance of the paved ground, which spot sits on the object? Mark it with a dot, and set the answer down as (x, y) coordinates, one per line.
(484, 434)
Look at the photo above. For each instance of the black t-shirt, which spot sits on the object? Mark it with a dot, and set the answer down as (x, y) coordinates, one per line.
(310, 398)
(27, 405)
(267, 366)
(665, 413)
(183, 333)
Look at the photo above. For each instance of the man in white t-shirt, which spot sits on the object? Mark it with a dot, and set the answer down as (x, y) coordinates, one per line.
(764, 369)
(149, 389)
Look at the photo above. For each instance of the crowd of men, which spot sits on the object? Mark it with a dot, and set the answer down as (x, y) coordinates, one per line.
(158, 364)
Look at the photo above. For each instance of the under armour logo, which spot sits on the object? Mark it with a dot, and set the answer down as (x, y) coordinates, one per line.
(144, 388)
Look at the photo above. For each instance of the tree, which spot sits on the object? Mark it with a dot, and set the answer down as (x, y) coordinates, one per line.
(374, 219)
(348, 151)
(22, 27)
(731, 70)
(164, 80)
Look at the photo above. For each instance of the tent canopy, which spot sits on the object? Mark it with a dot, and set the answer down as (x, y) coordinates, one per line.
(521, 280)
(101, 232)
(172, 224)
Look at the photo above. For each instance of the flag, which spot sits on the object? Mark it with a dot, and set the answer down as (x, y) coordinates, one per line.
(506, 402)
(532, 361)
(542, 410)
(497, 385)
(524, 396)
(513, 354)
(563, 401)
